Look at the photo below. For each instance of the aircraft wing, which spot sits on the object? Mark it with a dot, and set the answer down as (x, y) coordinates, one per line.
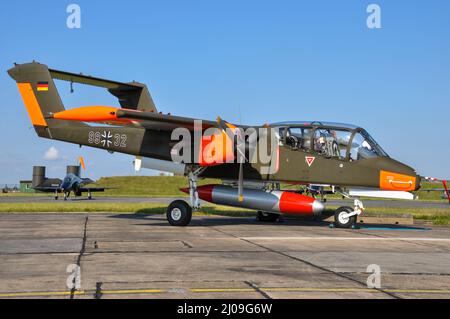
(87, 181)
(85, 189)
(124, 117)
(162, 121)
(48, 189)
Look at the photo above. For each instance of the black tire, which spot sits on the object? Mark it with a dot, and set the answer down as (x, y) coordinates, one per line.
(267, 217)
(339, 222)
(179, 213)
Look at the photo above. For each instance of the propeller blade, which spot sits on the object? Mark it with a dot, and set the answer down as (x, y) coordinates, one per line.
(234, 132)
(241, 182)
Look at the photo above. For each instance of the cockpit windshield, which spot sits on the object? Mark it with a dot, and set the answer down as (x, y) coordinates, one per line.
(364, 146)
(336, 140)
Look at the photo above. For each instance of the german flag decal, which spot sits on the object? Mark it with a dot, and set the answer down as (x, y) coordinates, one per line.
(42, 86)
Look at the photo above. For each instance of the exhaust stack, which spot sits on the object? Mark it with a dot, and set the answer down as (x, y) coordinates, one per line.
(73, 169)
(38, 176)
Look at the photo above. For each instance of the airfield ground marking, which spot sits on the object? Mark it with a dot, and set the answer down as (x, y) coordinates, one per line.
(132, 291)
(202, 290)
(220, 290)
(42, 294)
(349, 238)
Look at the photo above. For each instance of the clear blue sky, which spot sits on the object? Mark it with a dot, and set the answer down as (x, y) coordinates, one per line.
(247, 61)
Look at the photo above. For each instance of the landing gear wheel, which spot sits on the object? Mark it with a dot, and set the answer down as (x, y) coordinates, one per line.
(179, 213)
(342, 221)
(267, 217)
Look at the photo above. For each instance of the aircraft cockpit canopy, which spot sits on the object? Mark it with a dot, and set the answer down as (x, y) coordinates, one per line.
(343, 141)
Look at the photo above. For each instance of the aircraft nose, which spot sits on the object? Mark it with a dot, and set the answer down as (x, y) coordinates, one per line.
(418, 182)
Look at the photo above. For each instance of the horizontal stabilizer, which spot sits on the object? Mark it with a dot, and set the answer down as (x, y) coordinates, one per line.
(90, 80)
(132, 95)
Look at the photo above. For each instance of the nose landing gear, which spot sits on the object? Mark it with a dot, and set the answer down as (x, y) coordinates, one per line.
(345, 216)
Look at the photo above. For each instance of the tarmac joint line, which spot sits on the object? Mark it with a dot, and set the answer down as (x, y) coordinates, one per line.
(82, 250)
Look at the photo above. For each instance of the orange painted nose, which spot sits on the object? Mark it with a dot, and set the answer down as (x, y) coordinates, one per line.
(391, 181)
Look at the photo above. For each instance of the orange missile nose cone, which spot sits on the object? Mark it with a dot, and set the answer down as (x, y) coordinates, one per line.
(204, 192)
(185, 190)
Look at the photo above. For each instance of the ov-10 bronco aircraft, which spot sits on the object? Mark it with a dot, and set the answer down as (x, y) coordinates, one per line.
(251, 165)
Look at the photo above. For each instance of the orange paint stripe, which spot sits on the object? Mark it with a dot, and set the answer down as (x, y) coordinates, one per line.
(397, 182)
(31, 103)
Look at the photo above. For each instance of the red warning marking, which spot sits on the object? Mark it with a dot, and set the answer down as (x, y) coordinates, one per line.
(309, 160)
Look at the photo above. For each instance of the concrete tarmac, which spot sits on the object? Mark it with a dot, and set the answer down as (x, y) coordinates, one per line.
(167, 200)
(135, 256)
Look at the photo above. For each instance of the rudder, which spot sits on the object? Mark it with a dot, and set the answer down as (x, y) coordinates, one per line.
(40, 95)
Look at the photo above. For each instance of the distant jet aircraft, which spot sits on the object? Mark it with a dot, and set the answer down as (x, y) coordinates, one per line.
(72, 182)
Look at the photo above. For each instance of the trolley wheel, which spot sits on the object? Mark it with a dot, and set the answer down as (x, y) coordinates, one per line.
(342, 221)
(267, 217)
(179, 213)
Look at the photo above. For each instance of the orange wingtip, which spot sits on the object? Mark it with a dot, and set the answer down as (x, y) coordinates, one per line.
(90, 114)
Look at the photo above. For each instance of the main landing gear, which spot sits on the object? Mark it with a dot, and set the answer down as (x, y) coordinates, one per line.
(345, 217)
(179, 212)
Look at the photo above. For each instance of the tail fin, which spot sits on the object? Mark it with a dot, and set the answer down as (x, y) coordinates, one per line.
(39, 95)
(41, 98)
